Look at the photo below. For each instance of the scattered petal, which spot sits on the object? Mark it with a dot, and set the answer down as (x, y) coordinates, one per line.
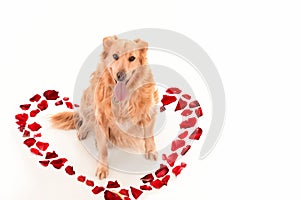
(37, 135)
(90, 183)
(44, 163)
(69, 105)
(43, 105)
(108, 195)
(33, 113)
(185, 150)
(35, 98)
(58, 103)
(187, 96)
(43, 146)
(194, 104)
(58, 163)
(51, 95)
(113, 184)
(26, 133)
(66, 98)
(162, 109)
(135, 192)
(124, 192)
(162, 171)
(34, 126)
(36, 151)
(98, 189)
(177, 170)
(69, 170)
(168, 99)
(186, 112)
(181, 105)
(176, 144)
(157, 184)
(21, 128)
(183, 135)
(76, 105)
(173, 90)
(126, 198)
(25, 106)
(199, 112)
(190, 122)
(81, 178)
(22, 117)
(165, 180)
(29, 142)
(50, 155)
(171, 158)
(145, 187)
(147, 178)
(196, 134)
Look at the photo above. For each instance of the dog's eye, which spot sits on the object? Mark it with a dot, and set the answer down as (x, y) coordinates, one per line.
(131, 58)
(115, 56)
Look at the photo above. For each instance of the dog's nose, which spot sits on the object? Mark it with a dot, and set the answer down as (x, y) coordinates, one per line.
(121, 76)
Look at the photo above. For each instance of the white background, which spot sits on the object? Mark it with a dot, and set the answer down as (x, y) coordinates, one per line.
(254, 44)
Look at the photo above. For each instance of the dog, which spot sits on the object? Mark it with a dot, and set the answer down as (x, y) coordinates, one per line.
(119, 105)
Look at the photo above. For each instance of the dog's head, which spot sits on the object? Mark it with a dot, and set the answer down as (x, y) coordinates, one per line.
(123, 56)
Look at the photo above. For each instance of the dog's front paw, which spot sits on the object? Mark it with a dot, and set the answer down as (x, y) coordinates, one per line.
(102, 171)
(151, 155)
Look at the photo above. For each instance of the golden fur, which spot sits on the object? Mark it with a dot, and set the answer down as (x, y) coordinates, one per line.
(127, 124)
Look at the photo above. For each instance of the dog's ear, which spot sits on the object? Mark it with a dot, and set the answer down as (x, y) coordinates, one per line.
(143, 47)
(107, 42)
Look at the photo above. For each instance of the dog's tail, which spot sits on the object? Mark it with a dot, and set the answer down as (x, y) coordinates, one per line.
(65, 120)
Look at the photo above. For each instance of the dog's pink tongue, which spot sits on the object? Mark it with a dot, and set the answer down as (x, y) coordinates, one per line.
(120, 91)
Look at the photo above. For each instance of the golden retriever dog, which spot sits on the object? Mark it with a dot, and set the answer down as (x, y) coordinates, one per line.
(119, 105)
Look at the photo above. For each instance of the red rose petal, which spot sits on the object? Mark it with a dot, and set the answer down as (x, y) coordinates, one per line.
(180, 105)
(173, 90)
(147, 178)
(51, 95)
(33, 113)
(183, 135)
(58, 163)
(43, 105)
(36, 151)
(176, 144)
(190, 122)
(66, 98)
(76, 105)
(199, 112)
(135, 192)
(186, 112)
(194, 104)
(108, 195)
(34, 126)
(29, 142)
(81, 178)
(113, 184)
(157, 184)
(50, 155)
(35, 98)
(26, 133)
(165, 180)
(69, 105)
(21, 128)
(124, 192)
(22, 117)
(126, 198)
(185, 150)
(162, 171)
(44, 163)
(98, 189)
(171, 158)
(145, 187)
(25, 106)
(37, 135)
(196, 134)
(58, 103)
(42, 146)
(177, 170)
(168, 99)
(69, 170)
(187, 96)
(162, 109)
(89, 183)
